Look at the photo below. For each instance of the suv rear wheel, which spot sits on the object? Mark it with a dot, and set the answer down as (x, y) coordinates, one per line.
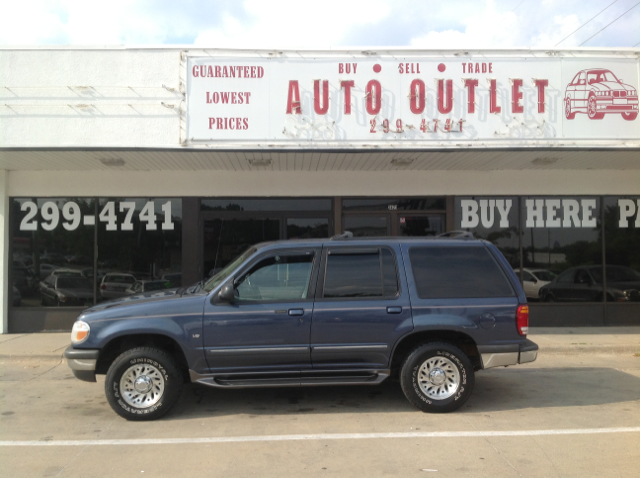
(437, 377)
(143, 384)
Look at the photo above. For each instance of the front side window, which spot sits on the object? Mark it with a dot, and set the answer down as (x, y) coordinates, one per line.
(277, 278)
(361, 274)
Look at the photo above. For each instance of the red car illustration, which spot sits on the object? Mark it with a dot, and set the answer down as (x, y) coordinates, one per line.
(598, 91)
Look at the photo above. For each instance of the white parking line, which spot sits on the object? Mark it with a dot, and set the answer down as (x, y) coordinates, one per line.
(319, 437)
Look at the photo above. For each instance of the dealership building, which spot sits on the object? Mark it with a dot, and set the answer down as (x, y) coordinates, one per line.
(124, 168)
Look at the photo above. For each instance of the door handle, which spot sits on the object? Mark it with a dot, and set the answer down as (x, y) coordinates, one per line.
(394, 309)
(296, 312)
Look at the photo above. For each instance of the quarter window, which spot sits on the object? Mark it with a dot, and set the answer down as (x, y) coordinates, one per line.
(457, 272)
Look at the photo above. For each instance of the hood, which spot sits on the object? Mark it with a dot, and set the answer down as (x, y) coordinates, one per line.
(610, 85)
(148, 304)
(76, 293)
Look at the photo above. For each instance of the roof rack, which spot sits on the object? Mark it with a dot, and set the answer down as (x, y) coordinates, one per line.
(457, 234)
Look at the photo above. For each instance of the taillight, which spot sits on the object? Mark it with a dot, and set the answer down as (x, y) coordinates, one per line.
(522, 319)
(103, 286)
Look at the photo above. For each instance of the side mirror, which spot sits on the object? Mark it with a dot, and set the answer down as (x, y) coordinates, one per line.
(227, 292)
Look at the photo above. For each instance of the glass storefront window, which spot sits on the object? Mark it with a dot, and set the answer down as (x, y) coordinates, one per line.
(393, 204)
(366, 225)
(139, 239)
(491, 219)
(225, 239)
(52, 237)
(622, 248)
(561, 236)
(266, 204)
(302, 228)
(424, 225)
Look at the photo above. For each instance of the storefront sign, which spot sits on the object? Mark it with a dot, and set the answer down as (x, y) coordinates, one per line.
(544, 213)
(69, 216)
(424, 99)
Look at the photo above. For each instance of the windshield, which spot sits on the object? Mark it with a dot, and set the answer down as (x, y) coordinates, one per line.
(598, 76)
(71, 282)
(219, 277)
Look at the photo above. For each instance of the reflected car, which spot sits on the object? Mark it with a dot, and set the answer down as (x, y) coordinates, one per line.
(584, 284)
(66, 291)
(533, 279)
(145, 286)
(67, 272)
(598, 91)
(114, 285)
(46, 269)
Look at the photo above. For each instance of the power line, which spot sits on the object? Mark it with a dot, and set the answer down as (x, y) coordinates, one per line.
(522, 3)
(636, 45)
(614, 1)
(609, 24)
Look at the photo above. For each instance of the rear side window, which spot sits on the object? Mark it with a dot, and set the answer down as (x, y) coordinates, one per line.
(369, 273)
(457, 272)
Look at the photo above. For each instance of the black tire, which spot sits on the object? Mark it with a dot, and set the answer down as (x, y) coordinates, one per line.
(160, 367)
(411, 369)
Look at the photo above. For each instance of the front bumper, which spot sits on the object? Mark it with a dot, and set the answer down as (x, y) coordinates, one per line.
(507, 355)
(82, 362)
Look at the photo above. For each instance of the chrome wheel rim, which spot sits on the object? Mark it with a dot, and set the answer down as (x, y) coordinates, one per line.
(438, 378)
(142, 386)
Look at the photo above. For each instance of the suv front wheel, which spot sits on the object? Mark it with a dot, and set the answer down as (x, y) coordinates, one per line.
(143, 383)
(437, 377)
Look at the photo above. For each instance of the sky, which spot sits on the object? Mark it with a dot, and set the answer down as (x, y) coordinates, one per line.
(323, 24)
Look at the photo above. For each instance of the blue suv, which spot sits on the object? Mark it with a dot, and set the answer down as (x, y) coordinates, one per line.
(430, 312)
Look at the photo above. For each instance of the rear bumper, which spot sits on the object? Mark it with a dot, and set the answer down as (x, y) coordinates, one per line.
(82, 362)
(508, 355)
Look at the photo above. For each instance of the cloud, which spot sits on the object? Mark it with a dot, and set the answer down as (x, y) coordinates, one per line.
(294, 24)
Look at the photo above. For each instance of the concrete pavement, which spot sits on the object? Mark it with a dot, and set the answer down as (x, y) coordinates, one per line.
(606, 340)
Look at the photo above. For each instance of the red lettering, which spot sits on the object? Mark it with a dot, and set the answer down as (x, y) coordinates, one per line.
(211, 123)
(216, 97)
(208, 99)
(247, 94)
(347, 85)
(401, 67)
(218, 70)
(321, 110)
(293, 98)
(471, 85)
(484, 68)
(232, 124)
(417, 96)
(240, 98)
(347, 68)
(477, 68)
(340, 67)
(225, 96)
(260, 73)
(373, 93)
(445, 106)
(225, 72)
(417, 68)
(246, 72)
(490, 67)
(253, 72)
(245, 122)
(195, 71)
(516, 96)
(541, 85)
(493, 100)
(209, 71)
(355, 67)
(232, 71)
(219, 123)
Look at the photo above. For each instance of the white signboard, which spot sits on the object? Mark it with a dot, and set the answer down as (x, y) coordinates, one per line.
(421, 99)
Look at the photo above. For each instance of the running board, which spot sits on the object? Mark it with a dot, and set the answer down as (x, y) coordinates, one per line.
(291, 378)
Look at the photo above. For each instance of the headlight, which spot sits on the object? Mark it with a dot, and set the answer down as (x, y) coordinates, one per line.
(79, 332)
